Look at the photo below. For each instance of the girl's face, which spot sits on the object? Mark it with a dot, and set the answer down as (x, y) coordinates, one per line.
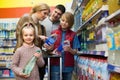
(64, 23)
(28, 36)
(43, 14)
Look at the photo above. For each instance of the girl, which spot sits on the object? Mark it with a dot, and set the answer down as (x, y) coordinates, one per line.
(25, 52)
(66, 23)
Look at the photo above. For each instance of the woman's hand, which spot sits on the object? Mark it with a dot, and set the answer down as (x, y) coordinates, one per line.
(42, 37)
(48, 47)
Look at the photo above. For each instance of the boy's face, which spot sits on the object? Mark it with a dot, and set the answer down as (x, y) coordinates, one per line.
(28, 36)
(64, 23)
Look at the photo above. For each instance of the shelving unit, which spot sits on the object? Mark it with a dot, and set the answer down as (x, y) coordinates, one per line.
(94, 42)
(94, 16)
(114, 16)
(7, 44)
(91, 59)
(114, 67)
(100, 53)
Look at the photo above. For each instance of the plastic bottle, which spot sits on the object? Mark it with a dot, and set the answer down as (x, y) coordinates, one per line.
(113, 45)
(65, 43)
(29, 67)
(51, 40)
(110, 44)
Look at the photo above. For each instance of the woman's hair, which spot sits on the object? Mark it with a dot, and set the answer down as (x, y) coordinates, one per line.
(69, 17)
(40, 7)
(27, 25)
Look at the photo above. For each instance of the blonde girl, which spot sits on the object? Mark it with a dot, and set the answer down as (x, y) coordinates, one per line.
(25, 52)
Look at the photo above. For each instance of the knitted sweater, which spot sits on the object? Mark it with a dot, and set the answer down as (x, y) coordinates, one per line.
(20, 59)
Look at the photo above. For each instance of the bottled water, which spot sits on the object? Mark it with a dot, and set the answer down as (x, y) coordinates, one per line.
(29, 66)
(65, 43)
(51, 40)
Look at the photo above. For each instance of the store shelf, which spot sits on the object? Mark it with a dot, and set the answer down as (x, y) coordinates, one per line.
(6, 77)
(7, 44)
(100, 53)
(114, 16)
(4, 68)
(98, 13)
(83, 3)
(74, 5)
(113, 68)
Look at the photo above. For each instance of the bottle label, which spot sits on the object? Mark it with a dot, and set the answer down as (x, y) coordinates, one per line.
(117, 41)
(50, 40)
(110, 42)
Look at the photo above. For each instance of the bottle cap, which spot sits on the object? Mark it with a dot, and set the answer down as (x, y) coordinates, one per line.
(38, 51)
(69, 38)
(57, 32)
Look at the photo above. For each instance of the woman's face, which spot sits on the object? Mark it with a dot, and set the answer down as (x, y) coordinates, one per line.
(42, 14)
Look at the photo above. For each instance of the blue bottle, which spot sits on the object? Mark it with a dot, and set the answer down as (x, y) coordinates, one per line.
(65, 43)
(51, 40)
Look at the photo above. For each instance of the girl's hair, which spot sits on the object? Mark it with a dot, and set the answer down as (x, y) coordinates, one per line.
(69, 17)
(27, 25)
(40, 7)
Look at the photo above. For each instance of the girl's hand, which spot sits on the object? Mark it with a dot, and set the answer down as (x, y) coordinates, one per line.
(37, 55)
(24, 75)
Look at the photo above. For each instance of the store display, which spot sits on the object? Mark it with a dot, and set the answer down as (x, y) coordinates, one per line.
(100, 40)
(7, 44)
(97, 23)
(113, 43)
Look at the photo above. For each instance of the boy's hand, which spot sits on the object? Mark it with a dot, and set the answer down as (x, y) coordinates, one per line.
(67, 48)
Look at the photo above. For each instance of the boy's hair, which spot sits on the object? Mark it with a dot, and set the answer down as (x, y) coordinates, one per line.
(69, 17)
(61, 8)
